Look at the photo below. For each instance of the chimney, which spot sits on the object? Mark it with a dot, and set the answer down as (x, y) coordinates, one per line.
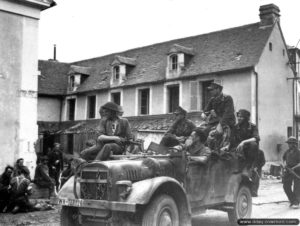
(269, 14)
(54, 52)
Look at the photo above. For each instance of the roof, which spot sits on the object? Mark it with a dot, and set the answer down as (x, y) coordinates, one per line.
(137, 123)
(231, 49)
(74, 69)
(54, 77)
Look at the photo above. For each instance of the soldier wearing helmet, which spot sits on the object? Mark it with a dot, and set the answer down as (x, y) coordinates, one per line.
(291, 176)
(114, 132)
(246, 138)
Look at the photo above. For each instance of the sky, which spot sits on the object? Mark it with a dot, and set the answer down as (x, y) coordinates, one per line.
(83, 29)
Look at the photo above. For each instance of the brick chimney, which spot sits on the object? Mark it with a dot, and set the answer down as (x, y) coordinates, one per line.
(269, 14)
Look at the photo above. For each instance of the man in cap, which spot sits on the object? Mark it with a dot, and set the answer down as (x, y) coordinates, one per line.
(246, 138)
(114, 132)
(219, 114)
(55, 163)
(291, 162)
(180, 130)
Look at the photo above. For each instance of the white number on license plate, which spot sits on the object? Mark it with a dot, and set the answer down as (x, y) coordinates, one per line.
(70, 202)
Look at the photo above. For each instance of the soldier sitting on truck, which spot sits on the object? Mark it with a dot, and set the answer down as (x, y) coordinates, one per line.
(180, 130)
(195, 146)
(246, 138)
(219, 114)
(114, 133)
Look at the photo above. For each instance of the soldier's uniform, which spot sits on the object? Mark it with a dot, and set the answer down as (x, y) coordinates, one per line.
(292, 158)
(244, 131)
(257, 172)
(180, 128)
(223, 106)
(55, 163)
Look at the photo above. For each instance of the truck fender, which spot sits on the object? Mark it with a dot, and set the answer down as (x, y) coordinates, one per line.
(143, 191)
(233, 186)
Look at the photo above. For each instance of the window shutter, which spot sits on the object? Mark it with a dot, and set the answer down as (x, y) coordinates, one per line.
(194, 99)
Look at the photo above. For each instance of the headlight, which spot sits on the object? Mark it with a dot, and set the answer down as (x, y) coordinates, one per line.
(124, 188)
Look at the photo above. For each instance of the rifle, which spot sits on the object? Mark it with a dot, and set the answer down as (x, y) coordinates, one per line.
(291, 171)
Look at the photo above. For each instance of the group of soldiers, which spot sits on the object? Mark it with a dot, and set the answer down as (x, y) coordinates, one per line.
(220, 133)
(16, 185)
(14, 188)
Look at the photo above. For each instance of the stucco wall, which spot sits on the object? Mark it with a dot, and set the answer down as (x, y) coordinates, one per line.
(10, 84)
(129, 101)
(49, 109)
(275, 101)
(18, 83)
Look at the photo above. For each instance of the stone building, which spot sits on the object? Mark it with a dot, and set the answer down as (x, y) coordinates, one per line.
(251, 61)
(18, 79)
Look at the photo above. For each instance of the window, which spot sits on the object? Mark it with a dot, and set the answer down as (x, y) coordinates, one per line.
(116, 72)
(174, 62)
(116, 98)
(72, 83)
(289, 131)
(144, 96)
(71, 109)
(91, 106)
(270, 46)
(205, 93)
(283, 52)
(173, 97)
(70, 140)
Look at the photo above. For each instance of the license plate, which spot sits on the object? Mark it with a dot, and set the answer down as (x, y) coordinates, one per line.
(71, 202)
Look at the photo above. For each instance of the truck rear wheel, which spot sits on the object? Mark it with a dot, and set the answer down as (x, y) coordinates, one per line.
(162, 211)
(68, 216)
(242, 207)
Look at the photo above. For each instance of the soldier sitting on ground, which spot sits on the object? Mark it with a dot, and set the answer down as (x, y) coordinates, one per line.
(4, 187)
(180, 130)
(114, 133)
(20, 192)
(19, 167)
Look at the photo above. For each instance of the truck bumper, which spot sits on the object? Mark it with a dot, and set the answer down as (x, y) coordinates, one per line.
(95, 204)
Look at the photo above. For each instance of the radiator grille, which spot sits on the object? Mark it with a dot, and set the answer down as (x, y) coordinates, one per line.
(93, 185)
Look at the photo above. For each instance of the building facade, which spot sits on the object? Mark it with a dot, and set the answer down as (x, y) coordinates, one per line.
(18, 79)
(251, 62)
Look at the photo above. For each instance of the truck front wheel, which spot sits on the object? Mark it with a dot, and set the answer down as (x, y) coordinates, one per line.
(68, 216)
(162, 211)
(242, 207)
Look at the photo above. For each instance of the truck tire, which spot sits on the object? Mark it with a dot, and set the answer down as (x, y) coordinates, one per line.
(242, 207)
(68, 216)
(162, 211)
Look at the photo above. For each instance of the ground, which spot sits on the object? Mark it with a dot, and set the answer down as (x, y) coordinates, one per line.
(271, 203)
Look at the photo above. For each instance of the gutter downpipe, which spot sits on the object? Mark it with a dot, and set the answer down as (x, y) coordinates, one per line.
(254, 84)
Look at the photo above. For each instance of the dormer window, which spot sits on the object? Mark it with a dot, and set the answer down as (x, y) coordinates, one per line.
(174, 62)
(178, 58)
(72, 82)
(121, 68)
(116, 72)
(77, 76)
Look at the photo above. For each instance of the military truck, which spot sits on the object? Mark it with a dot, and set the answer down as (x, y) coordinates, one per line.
(158, 190)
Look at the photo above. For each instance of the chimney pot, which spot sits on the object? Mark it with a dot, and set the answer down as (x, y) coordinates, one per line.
(269, 14)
